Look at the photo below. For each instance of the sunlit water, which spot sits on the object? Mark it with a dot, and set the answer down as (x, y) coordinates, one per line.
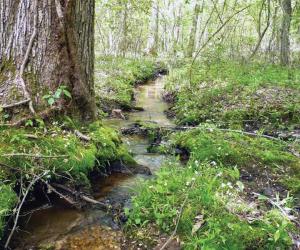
(67, 228)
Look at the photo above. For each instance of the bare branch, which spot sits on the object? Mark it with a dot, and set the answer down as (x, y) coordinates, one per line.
(212, 36)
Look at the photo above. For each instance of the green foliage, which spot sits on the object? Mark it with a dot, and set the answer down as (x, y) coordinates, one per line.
(75, 157)
(207, 143)
(51, 98)
(8, 199)
(213, 195)
(71, 156)
(216, 215)
(237, 95)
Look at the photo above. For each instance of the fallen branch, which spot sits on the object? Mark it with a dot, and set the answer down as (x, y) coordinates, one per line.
(249, 133)
(125, 130)
(283, 212)
(30, 136)
(81, 196)
(66, 198)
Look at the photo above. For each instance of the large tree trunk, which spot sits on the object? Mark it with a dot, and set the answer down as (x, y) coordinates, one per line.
(285, 32)
(45, 44)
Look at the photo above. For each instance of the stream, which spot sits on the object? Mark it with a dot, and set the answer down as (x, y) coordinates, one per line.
(58, 226)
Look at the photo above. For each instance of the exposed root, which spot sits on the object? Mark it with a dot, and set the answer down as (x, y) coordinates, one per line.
(77, 195)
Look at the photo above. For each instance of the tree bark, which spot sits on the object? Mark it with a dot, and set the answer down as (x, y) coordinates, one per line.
(286, 6)
(47, 43)
(191, 45)
(124, 42)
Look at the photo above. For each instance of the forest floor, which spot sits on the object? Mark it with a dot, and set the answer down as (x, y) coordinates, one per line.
(235, 182)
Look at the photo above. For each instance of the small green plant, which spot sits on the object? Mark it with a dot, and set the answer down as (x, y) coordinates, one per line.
(62, 90)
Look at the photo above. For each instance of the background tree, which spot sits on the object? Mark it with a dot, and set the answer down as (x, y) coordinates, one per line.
(285, 32)
(261, 32)
(191, 45)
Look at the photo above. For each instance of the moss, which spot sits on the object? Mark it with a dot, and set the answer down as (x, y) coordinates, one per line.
(75, 157)
(126, 157)
(234, 149)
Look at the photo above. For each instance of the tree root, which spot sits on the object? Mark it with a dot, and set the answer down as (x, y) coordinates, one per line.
(77, 195)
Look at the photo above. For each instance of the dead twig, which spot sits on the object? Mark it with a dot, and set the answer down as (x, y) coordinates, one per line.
(81, 196)
(275, 204)
(54, 190)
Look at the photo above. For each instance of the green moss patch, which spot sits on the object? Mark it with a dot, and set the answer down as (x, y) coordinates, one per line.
(8, 200)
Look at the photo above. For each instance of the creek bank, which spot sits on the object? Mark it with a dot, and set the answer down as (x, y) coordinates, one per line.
(62, 160)
(231, 183)
(250, 97)
(116, 78)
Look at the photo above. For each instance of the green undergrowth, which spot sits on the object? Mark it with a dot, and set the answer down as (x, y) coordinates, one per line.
(214, 215)
(235, 95)
(251, 154)
(116, 77)
(8, 200)
(210, 197)
(58, 152)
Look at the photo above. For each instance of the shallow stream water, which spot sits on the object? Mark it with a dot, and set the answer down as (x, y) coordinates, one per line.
(63, 227)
